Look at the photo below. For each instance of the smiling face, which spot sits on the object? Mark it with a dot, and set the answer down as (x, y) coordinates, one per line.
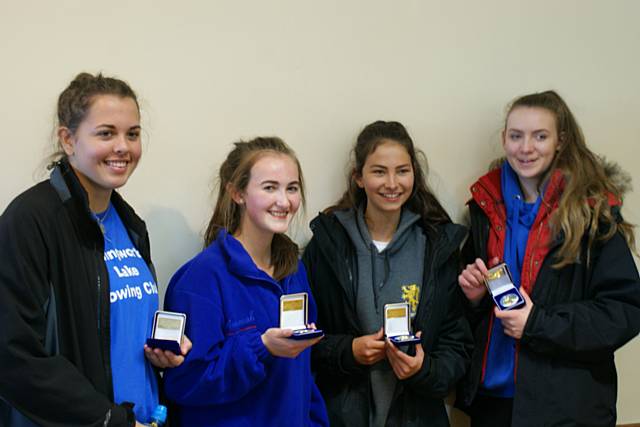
(105, 148)
(530, 142)
(272, 196)
(387, 179)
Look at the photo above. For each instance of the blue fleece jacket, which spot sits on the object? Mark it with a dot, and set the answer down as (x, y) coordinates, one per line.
(229, 378)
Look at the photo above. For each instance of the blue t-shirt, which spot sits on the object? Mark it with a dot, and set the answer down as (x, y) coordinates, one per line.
(134, 299)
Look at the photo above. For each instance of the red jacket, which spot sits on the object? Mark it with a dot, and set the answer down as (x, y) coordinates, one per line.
(581, 314)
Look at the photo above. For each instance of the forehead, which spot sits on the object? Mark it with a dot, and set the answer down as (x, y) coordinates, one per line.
(112, 109)
(274, 167)
(531, 118)
(388, 153)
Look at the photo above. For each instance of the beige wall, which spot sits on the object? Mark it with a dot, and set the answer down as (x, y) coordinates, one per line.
(314, 72)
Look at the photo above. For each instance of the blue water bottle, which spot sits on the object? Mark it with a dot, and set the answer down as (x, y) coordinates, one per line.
(159, 416)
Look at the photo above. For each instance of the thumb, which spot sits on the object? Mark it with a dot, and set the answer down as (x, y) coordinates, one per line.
(419, 350)
(279, 332)
(379, 335)
(525, 295)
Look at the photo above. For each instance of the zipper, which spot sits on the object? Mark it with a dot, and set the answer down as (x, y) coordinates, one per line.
(537, 242)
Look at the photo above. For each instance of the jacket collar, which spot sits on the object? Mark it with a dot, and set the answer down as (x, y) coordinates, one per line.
(487, 190)
(240, 263)
(336, 246)
(74, 196)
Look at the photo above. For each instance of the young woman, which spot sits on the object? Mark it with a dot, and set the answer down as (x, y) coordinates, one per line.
(244, 370)
(387, 240)
(552, 213)
(77, 287)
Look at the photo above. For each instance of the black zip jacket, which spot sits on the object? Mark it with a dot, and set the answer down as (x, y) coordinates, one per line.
(55, 366)
(418, 401)
(582, 313)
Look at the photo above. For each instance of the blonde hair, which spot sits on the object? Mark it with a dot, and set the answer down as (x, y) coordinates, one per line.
(584, 204)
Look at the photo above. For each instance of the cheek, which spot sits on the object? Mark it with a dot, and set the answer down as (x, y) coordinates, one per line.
(296, 201)
(136, 151)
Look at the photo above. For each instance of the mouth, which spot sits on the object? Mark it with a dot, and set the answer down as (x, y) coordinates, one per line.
(392, 197)
(279, 214)
(527, 161)
(118, 165)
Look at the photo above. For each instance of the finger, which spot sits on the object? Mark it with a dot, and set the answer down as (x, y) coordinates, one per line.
(149, 354)
(473, 276)
(482, 266)
(494, 261)
(464, 282)
(162, 359)
(499, 313)
(375, 345)
(419, 350)
(186, 345)
(285, 333)
(173, 359)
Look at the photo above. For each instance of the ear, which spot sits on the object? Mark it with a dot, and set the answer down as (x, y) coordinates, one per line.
(357, 177)
(561, 140)
(65, 136)
(503, 134)
(236, 196)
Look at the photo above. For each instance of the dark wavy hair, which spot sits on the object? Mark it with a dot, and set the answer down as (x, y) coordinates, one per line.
(422, 200)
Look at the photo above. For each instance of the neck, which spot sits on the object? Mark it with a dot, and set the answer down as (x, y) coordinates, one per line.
(529, 189)
(258, 246)
(99, 203)
(381, 225)
(98, 197)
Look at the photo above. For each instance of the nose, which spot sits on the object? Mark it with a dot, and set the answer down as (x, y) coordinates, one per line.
(121, 145)
(283, 200)
(392, 180)
(527, 144)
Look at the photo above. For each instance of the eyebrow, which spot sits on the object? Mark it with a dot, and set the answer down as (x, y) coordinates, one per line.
(535, 131)
(385, 167)
(104, 125)
(270, 181)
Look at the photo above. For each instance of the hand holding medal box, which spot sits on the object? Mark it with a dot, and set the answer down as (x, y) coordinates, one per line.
(294, 312)
(168, 330)
(502, 289)
(397, 324)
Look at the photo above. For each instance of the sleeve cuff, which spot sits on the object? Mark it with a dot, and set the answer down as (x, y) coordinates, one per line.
(259, 349)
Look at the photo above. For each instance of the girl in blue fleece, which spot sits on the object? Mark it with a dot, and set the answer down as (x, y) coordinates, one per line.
(243, 370)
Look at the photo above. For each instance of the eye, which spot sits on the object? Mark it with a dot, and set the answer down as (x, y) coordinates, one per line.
(541, 136)
(514, 136)
(269, 187)
(104, 133)
(133, 135)
(404, 171)
(378, 172)
(293, 189)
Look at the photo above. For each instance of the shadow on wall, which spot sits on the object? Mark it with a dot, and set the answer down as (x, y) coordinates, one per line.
(173, 243)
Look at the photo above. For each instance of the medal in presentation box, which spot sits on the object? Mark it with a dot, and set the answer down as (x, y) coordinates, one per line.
(397, 324)
(502, 289)
(294, 315)
(168, 329)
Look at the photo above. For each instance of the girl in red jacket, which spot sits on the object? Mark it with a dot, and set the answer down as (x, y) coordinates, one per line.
(551, 212)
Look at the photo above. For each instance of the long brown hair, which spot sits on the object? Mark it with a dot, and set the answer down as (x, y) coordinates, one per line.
(235, 174)
(422, 200)
(584, 204)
